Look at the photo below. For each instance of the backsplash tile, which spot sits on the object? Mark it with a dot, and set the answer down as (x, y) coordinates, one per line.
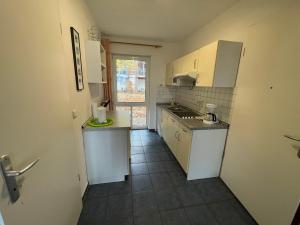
(165, 94)
(198, 97)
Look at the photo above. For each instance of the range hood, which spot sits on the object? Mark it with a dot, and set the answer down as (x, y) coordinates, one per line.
(185, 79)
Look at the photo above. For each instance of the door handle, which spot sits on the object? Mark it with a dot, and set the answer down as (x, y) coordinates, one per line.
(14, 173)
(9, 176)
(294, 139)
(291, 137)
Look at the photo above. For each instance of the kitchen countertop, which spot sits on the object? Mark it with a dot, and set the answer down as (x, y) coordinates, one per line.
(121, 120)
(194, 124)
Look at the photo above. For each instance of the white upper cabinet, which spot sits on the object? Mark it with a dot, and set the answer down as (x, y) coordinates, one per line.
(216, 64)
(95, 62)
(169, 74)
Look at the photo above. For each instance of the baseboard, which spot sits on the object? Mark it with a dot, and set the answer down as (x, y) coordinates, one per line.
(152, 130)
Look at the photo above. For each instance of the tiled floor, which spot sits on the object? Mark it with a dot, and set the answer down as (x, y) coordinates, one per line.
(157, 193)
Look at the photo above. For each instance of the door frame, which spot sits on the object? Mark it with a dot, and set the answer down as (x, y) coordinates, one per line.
(147, 85)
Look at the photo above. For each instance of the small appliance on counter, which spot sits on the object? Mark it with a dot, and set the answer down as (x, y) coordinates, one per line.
(101, 114)
(210, 116)
(105, 103)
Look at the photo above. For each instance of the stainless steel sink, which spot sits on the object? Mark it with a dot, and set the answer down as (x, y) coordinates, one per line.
(176, 108)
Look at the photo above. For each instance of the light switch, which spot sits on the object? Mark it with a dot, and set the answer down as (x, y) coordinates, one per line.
(74, 114)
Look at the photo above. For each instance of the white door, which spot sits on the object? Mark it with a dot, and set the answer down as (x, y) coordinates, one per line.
(261, 166)
(35, 116)
(131, 87)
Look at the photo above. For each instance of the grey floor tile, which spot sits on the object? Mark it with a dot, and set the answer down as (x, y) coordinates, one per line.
(94, 210)
(172, 166)
(189, 195)
(175, 217)
(161, 181)
(151, 142)
(117, 188)
(154, 148)
(136, 143)
(156, 167)
(242, 212)
(117, 220)
(144, 203)
(135, 133)
(120, 206)
(136, 137)
(178, 178)
(139, 169)
(213, 190)
(227, 214)
(136, 150)
(167, 199)
(200, 215)
(138, 158)
(97, 190)
(152, 218)
(141, 183)
(157, 156)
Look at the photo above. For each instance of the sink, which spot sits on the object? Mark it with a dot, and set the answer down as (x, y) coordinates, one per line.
(176, 108)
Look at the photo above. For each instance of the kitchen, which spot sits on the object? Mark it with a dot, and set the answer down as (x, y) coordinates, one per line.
(165, 119)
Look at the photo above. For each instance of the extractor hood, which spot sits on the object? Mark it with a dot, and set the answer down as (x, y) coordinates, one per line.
(185, 79)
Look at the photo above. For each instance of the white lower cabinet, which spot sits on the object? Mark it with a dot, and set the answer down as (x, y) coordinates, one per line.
(184, 138)
(199, 152)
(107, 154)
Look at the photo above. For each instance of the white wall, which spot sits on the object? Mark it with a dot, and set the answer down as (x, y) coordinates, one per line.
(76, 14)
(159, 58)
(253, 164)
(232, 24)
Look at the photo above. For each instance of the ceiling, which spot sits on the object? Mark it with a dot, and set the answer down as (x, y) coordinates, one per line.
(163, 20)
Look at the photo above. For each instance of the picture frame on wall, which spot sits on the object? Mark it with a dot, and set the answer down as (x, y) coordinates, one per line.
(77, 58)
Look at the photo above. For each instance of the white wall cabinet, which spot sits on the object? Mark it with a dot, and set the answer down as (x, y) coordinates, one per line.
(169, 74)
(199, 152)
(96, 62)
(216, 64)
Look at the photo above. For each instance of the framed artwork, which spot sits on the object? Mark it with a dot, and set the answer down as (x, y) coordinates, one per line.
(77, 58)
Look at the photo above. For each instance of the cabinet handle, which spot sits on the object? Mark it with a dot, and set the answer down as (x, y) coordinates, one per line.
(178, 137)
(185, 131)
(195, 63)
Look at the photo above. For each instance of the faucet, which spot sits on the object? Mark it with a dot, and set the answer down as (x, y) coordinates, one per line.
(172, 101)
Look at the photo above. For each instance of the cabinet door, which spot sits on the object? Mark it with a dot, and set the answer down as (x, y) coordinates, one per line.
(173, 131)
(184, 146)
(190, 62)
(164, 124)
(159, 120)
(206, 64)
(169, 74)
(93, 62)
(178, 66)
